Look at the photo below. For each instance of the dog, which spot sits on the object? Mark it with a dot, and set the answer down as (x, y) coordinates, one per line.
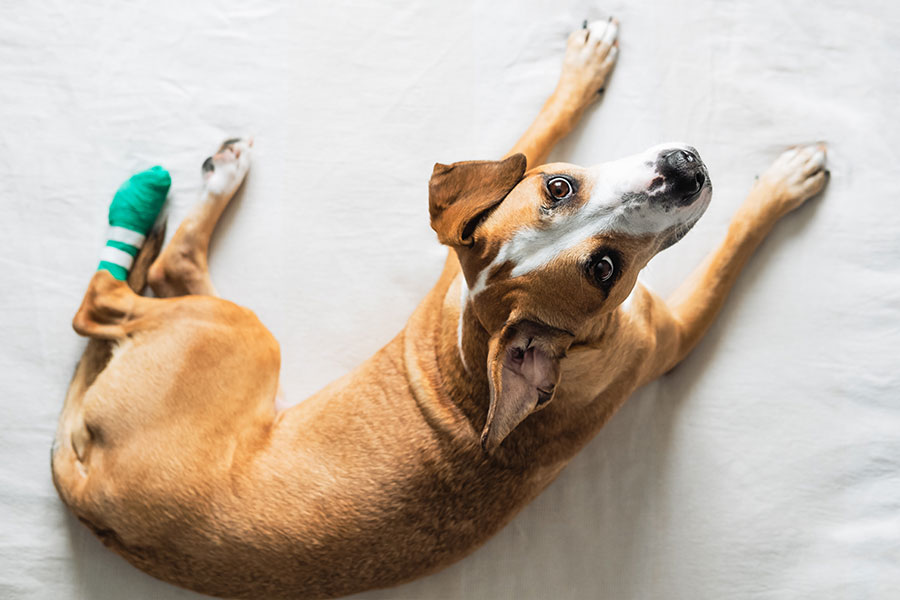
(171, 448)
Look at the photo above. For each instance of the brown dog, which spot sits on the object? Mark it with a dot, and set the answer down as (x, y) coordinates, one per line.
(171, 449)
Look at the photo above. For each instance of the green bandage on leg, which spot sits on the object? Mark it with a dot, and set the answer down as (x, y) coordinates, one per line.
(131, 215)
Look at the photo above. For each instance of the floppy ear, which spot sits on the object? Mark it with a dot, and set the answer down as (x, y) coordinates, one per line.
(461, 194)
(523, 369)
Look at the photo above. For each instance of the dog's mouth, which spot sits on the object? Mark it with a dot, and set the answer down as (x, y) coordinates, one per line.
(691, 207)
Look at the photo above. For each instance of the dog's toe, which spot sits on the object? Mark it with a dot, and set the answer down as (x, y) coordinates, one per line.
(815, 159)
(603, 33)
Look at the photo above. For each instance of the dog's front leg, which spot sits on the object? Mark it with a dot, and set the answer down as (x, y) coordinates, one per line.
(796, 176)
(591, 53)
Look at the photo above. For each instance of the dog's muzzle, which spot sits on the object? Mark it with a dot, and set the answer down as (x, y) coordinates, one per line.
(684, 173)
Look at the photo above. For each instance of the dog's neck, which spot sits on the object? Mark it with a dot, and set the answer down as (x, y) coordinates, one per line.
(448, 378)
(465, 362)
(445, 356)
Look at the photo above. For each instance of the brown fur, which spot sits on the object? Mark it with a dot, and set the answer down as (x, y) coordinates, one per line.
(170, 449)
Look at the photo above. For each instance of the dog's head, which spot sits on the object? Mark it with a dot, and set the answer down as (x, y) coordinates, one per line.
(548, 252)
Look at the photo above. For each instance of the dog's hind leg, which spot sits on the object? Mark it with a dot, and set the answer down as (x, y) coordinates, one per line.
(98, 351)
(591, 53)
(181, 268)
(109, 305)
(154, 365)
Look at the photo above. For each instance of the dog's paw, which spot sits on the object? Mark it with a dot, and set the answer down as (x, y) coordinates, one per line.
(795, 177)
(224, 171)
(591, 53)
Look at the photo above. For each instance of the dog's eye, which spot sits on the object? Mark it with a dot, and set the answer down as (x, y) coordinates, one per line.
(559, 188)
(603, 269)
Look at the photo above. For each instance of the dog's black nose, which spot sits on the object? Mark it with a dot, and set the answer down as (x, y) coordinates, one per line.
(684, 174)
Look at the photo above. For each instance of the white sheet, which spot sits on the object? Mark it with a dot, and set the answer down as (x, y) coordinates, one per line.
(766, 466)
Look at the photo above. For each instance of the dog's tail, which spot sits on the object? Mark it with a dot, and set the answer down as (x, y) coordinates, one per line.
(137, 278)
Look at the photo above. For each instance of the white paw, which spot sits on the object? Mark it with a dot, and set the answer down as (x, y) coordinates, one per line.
(797, 175)
(591, 53)
(225, 170)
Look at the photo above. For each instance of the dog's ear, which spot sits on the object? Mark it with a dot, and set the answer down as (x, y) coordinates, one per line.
(523, 370)
(461, 194)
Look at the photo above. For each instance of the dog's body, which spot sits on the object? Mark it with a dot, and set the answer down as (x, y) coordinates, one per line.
(170, 446)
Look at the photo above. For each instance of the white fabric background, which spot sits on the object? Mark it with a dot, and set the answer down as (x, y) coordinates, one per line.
(765, 466)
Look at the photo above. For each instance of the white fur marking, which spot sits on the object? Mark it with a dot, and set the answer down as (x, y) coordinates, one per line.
(463, 301)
